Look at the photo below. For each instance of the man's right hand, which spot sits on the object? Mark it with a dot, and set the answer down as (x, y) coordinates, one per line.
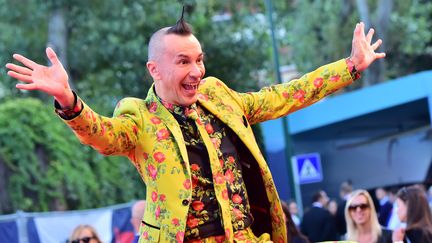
(52, 80)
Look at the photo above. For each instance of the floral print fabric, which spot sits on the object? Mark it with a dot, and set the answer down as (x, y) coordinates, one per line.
(204, 210)
(148, 134)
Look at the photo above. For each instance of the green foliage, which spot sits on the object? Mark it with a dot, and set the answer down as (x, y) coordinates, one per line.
(320, 35)
(410, 42)
(322, 32)
(50, 170)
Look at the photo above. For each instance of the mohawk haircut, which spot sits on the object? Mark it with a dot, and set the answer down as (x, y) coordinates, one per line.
(181, 27)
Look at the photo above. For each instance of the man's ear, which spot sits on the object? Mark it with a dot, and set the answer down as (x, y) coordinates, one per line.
(153, 70)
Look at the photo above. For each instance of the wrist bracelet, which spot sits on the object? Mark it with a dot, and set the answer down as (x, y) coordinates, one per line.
(71, 113)
(351, 68)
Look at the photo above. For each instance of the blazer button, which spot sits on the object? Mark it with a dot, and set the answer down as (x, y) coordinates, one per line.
(185, 202)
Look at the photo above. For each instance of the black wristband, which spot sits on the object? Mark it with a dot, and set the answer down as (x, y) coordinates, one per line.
(71, 113)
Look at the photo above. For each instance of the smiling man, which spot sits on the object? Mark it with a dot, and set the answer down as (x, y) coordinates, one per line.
(191, 138)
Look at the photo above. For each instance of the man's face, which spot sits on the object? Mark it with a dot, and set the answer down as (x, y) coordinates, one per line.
(179, 69)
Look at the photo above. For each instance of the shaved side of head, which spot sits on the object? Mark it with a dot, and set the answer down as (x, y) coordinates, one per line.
(156, 44)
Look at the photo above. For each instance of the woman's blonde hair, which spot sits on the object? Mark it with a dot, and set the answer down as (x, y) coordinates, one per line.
(352, 228)
(77, 231)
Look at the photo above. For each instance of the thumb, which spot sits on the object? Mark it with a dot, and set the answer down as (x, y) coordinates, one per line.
(52, 56)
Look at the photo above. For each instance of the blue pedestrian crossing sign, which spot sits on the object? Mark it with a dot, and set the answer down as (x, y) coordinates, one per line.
(308, 168)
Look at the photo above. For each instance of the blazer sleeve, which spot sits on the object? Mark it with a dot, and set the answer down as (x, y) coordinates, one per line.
(115, 135)
(280, 100)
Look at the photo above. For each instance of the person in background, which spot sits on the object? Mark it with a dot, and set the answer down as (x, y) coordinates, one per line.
(293, 233)
(394, 221)
(137, 213)
(84, 233)
(317, 223)
(345, 191)
(293, 211)
(413, 209)
(191, 139)
(362, 221)
(385, 206)
(332, 207)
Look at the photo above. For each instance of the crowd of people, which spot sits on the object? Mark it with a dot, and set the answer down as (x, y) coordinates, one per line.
(396, 215)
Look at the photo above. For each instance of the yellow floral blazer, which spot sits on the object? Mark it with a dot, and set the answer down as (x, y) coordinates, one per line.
(147, 133)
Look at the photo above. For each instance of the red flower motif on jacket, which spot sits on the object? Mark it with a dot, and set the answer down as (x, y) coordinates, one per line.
(179, 236)
(157, 212)
(299, 95)
(152, 171)
(318, 82)
(162, 134)
(209, 128)
(145, 156)
(175, 221)
(239, 235)
(229, 176)
(192, 221)
(227, 233)
(194, 181)
(155, 120)
(195, 167)
(152, 107)
(220, 238)
(154, 196)
(145, 235)
(219, 178)
(237, 213)
(187, 184)
(197, 205)
(237, 199)
(285, 94)
(231, 159)
(159, 157)
(162, 197)
(334, 78)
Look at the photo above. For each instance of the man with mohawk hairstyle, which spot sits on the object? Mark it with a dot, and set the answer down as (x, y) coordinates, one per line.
(191, 138)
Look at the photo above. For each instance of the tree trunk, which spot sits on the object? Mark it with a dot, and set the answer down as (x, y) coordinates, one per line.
(363, 9)
(57, 37)
(4, 195)
(384, 10)
(376, 72)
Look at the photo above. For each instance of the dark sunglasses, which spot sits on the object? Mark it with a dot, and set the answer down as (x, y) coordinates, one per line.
(84, 240)
(362, 207)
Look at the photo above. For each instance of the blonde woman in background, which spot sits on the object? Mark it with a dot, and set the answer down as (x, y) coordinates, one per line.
(84, 233)
(362, 220)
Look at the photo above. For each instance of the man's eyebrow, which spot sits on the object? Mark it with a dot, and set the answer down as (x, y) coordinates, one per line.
(186, 56)
(182, 56)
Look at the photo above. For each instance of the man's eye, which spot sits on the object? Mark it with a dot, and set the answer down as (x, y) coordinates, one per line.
(183, 62)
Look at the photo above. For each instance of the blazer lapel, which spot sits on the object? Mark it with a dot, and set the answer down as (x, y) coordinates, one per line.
(170, 122)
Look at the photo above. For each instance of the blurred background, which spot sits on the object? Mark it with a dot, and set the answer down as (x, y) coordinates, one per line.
(103, 45)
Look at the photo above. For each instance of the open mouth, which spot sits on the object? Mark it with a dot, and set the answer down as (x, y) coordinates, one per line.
(190, 87)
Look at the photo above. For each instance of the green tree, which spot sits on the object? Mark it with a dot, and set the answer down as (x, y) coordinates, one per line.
(44, 168)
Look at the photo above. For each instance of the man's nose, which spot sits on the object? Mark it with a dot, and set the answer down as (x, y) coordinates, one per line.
(196, 71)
